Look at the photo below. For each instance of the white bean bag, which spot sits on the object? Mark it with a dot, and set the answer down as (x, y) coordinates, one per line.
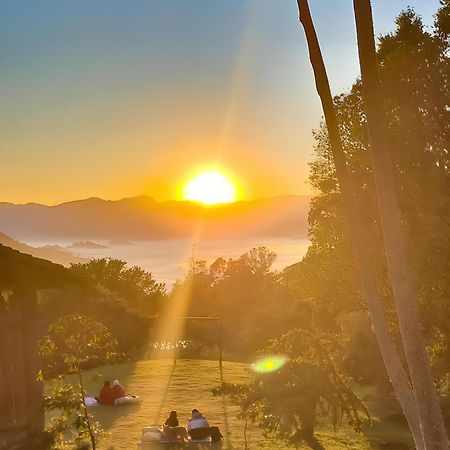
(127, 400)
(90, 401)
(151, 436)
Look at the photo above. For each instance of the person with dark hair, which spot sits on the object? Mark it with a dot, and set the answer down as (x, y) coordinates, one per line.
(172, 429)
(172, 420)
(106, 396)
(198, 426)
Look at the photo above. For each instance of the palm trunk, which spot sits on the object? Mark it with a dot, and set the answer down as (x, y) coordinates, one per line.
(395, 243)
(389, 353)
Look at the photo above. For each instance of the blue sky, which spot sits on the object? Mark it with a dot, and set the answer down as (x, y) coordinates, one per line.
(120, 98)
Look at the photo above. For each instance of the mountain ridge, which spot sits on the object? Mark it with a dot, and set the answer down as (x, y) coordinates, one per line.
(144, 218)
(52, 253)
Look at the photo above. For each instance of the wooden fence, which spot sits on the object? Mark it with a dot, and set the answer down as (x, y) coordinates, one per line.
(21, 396)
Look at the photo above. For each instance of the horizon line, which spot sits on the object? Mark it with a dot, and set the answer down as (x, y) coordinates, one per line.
(144, 196)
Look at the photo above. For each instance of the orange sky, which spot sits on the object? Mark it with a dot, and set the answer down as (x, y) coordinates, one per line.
(129, 98)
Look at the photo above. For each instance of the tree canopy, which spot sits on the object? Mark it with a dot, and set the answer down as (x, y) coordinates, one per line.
(133, 284)
(414, 69)
(246, 292)
(75, 343)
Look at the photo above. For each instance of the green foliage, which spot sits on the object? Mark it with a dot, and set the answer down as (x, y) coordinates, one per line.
(72, 426)
(135, 285)
(76, 343)
(414, 70)
(252, 299)
(125, 300)
(442, 22)
(285, 401)
(129, 326)
(190, 387)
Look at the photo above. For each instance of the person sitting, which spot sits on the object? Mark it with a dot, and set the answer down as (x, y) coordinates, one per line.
(172, 429)
(120, 396)
(198, 426)
(118, 390)
(107, 395)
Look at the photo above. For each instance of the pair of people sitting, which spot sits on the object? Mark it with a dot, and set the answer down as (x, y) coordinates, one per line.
(110, 394)
(198, 428)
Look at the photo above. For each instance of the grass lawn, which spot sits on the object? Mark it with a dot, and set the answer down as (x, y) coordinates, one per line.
(190, 386)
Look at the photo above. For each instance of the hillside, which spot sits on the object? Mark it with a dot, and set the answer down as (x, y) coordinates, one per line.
(190, 386)
(24, 270)
(52, 253)
(143, 218)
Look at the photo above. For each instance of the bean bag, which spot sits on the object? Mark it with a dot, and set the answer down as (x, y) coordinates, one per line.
(127, 400)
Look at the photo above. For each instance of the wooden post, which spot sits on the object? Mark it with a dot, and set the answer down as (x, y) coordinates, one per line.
(21, 394)
(27, 304)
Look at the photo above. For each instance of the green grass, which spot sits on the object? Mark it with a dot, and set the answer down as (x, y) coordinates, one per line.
(190, 386)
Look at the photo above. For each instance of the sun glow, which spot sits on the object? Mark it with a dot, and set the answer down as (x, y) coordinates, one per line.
(210, 187)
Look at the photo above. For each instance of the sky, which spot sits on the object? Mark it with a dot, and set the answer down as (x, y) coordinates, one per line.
(114, 99)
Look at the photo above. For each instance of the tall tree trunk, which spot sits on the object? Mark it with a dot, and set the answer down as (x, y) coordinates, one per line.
(358, 237)
(395, 242)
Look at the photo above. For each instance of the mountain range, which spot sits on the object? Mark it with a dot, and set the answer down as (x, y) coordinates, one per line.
(143, 218)
(53, 253)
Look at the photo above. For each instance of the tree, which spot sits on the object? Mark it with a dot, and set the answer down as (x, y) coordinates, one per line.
(245, 291)
(128, 325)
(413, 67)
(398, 261)
(410, 60)
(286, 401)
(442, 23)
(135, 285)
(75, 343)
(66, 400)
(359, 239)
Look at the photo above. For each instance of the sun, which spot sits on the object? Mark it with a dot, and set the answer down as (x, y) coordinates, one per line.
(210, 187)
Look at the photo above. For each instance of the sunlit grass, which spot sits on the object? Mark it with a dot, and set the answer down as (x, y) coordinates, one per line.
(190, 386)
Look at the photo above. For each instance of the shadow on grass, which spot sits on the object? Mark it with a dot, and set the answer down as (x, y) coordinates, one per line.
(314, 443)
(227, 441)
(389, 435)
(166, 392)
(191, 446)
(107, 415)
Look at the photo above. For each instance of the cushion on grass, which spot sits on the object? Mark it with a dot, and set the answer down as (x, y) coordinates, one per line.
(151, 436)
(90, 401)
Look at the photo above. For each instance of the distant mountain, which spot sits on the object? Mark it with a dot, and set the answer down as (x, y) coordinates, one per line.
(119, 243)
(87, 245)
(143, 218)
(52, 253)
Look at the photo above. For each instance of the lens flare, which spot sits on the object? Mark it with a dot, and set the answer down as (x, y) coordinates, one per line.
(269, 364)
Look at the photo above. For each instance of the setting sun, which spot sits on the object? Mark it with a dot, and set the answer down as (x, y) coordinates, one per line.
(209, 187)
